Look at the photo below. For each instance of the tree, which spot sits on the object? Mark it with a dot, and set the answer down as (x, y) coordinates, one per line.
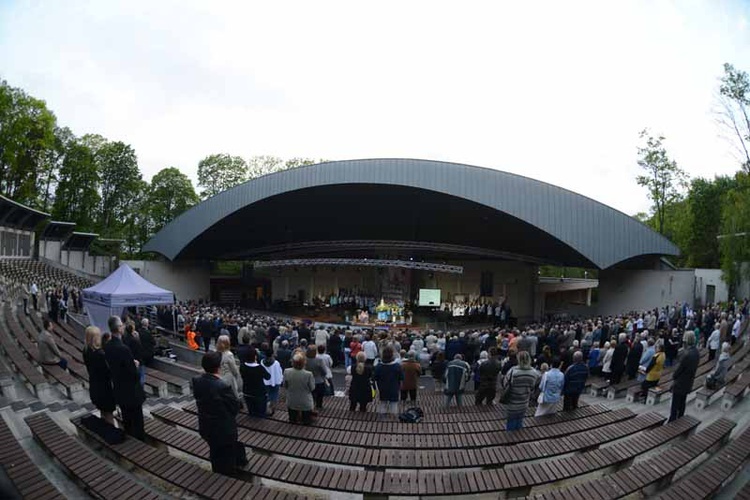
(663, 178)
(120, 178)
(77, 193)
(259, 166)
(734, 114)
(734, 240)
(135, 230)
(171, 193)
(219, 172)
(47, 181)
(705, 202)
(26, 134)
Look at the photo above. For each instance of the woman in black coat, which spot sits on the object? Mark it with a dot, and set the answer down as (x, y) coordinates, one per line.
(360, 389)
(100, 380)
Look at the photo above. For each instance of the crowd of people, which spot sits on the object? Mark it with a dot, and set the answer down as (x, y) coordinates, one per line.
(540, 365)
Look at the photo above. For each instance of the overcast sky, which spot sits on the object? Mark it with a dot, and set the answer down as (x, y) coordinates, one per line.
(557, 91)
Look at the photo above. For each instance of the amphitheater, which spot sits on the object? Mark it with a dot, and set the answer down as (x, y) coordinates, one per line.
(607, 448)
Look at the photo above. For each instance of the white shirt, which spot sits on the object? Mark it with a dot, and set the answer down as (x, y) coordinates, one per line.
(321, 337)
(277, 375)
(714, 341)
(736, 328)
(370, 349)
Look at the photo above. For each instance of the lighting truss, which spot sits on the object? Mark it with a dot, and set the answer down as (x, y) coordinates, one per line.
(405, 264)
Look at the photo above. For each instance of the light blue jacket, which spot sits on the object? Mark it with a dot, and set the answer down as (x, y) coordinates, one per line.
(552, 385)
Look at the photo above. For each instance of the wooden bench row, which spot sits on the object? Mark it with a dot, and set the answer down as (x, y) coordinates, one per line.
(182, 474)
(337, 421)
(515, 480)
(706, 481)
(735, 392)
(569, 422)
(85, 467)
(29, 481)
(650, 474)
(704, 394)
(409, 458)
(22, 364)
(73, 387)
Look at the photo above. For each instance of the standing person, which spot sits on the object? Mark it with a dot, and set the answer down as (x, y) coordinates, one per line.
(437, 368)
(371, 349)
(253, 385)
(488, 372)
(521, 381)
(457, 373)
(609, 352)
(273, 385)
(717, 377)
(634, 356)
(714, 342)
(412, 371)
(550, 388)
(299, 384)
(148, 344)
(228, 371)
(25, 292)
(683, 376)
(100, 380)
(317, 367)
(360, 389)
(133, 342)
(321, 337)
(388, 376)
(653, 370)
(126, 383)
(49, 354)
(217, 410)
(618, 358)
(328, 364)
(575, 382)
(34, 291)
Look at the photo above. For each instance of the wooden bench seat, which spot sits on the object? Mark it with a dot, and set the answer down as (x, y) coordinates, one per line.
(490, 435)
(652, 473)
(708, 480)
(704, 394)
(431, 424)
(184, 475)
(744, 493)
(22, 365)
(88, 469)
(736, 391)
(72, 386)
(29, 481)
(178, 384)
(514, 479)
(528, 447)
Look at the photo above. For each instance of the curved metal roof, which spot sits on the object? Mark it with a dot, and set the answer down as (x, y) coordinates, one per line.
(434, 199)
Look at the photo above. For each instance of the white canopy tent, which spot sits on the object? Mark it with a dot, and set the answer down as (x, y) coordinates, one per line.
(123, 288)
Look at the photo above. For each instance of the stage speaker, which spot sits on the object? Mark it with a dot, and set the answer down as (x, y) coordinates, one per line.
(486, 284)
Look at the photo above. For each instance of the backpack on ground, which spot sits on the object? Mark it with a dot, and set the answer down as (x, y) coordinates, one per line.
(411, 416)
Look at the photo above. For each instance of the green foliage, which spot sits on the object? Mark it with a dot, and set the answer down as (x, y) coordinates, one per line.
(259, 166)
(662, 177)
(26, 134)
(171, 193)
(120, 179)
(734, 240)
(734, 115)
(217, 173)
(77, 195)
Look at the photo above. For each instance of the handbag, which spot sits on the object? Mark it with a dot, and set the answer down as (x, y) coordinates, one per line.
(504, 392)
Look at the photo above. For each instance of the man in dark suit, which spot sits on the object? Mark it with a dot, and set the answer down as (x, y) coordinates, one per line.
(217, 409)
(618, 358)
(684, 375)
(126, 383)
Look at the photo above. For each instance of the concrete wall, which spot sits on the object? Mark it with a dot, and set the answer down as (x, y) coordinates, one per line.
(705, 278)
(11, 244)
(50, 249)
(188, 280)
(637, 290)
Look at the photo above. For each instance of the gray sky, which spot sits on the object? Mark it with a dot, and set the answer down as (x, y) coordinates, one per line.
(557, 91)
